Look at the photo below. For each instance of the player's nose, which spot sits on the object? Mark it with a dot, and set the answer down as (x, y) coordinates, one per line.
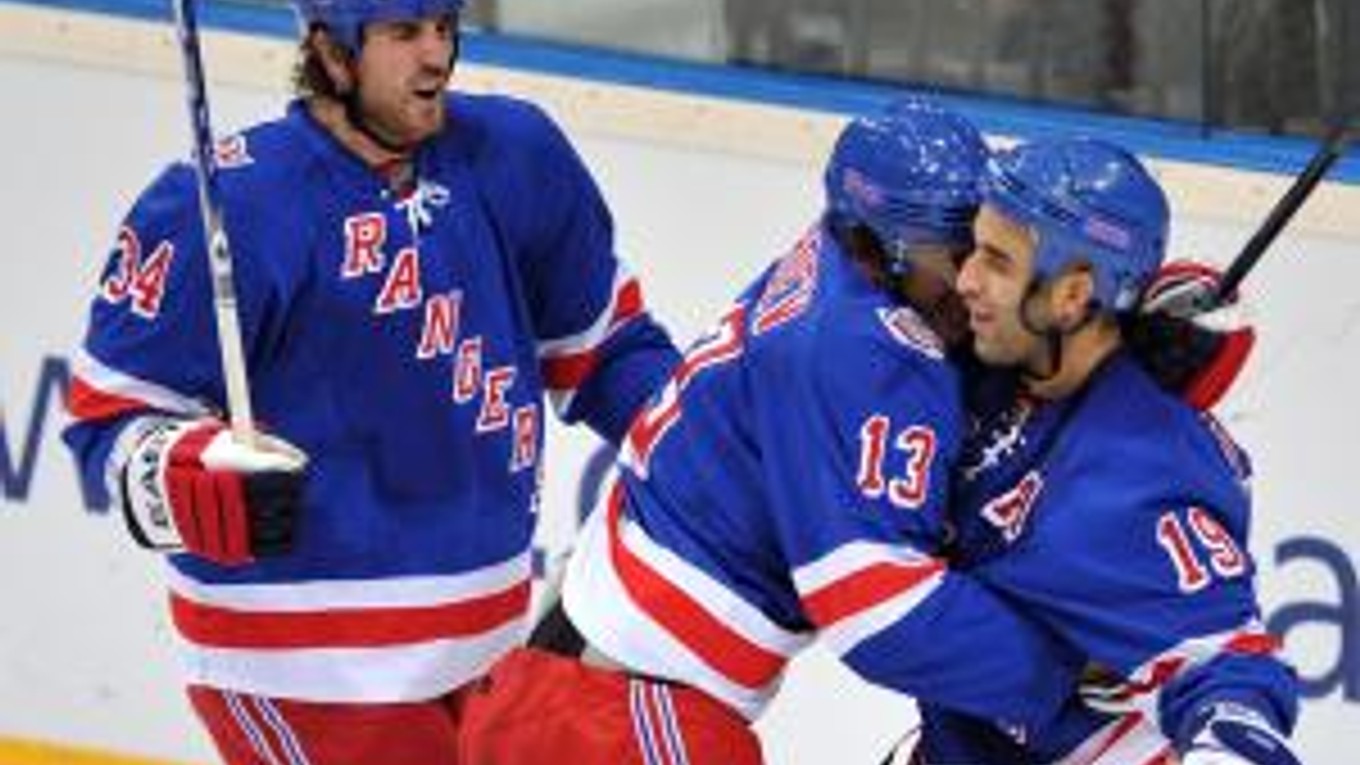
(966, 281)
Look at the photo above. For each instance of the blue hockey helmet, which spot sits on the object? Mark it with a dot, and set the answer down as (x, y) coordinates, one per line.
(910, 174)
(346, 18)
(1084, 199)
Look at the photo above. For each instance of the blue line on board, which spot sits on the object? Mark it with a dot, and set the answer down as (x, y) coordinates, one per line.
(999, 115)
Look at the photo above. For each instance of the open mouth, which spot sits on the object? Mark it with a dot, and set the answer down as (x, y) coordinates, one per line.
(977, 321)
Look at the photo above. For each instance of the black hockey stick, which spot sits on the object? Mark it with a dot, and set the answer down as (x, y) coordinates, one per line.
(210, 208)
(1333, 146)
(904, 750)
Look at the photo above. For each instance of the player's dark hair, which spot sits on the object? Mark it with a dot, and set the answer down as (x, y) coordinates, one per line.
(309, 73)
(863, 246)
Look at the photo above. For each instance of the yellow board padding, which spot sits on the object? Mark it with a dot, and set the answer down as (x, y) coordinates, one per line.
(21, 751)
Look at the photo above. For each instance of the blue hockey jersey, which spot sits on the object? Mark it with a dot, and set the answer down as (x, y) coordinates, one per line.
(1119, 518)
(788, 482)
(406, 342)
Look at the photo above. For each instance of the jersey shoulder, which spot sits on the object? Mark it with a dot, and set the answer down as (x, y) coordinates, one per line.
(1156, 429)
(265, 176)
(502, 132)
(1143, 452)
(265, 167)
(854, 324)
(528, 171)
(815, 314)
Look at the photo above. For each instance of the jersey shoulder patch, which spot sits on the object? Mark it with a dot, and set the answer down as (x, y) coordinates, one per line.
(232, 152)
(791, 287)
(908, 328)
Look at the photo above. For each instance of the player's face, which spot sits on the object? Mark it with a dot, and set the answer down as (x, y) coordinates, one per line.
(994, 282)
(929, 287)
(401, 72)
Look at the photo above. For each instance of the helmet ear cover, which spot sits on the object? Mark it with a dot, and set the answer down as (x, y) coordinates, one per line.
(1084, 200)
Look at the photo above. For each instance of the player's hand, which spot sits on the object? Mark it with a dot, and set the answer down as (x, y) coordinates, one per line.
(1232, 734)
(1192, 353)
(1103, 690)
(1106, 691)
(189, 485)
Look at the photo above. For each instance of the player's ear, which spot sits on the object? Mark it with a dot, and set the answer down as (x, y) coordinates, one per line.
(1071, 295)
(335, 59)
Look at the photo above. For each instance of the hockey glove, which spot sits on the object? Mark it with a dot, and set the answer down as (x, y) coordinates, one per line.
(1104, 690)
(1194, 354)
(188, 485)
(1232, 734)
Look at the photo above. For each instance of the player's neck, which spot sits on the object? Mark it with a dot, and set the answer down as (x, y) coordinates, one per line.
(331, 114)
(1082, 353)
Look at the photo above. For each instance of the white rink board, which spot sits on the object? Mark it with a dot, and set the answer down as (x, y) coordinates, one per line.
(85, 656)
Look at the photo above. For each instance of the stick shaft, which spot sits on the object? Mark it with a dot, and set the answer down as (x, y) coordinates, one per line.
(210, 209)
(1327, 154)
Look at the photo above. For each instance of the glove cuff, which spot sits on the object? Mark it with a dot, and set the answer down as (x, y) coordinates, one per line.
(143, 489)
(1239, 734)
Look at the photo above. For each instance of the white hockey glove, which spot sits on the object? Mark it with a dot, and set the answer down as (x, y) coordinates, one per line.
(188, 485)
(1232, 734)
(1192, 353)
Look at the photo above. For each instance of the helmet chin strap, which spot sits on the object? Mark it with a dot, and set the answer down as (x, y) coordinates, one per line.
(1053, 335)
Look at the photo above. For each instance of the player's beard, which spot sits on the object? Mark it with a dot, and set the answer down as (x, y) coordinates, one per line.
(950, 320)
(1001, 340)
(409, 114)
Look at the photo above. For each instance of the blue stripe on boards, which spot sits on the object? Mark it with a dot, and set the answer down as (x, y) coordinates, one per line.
(999, 115)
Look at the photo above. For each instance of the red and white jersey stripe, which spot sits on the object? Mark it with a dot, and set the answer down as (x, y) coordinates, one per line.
(1141, 689)
(860, 588)
(661, 615)
(567, 362)
(100, 392)
(1129, 740)
(401, 638)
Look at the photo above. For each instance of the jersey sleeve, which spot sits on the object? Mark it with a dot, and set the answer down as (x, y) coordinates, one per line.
(1153, 727)
(600, 352)
(859, 472)
(1245, 679)
(1157, 585)
(150, 346)
(948, 736)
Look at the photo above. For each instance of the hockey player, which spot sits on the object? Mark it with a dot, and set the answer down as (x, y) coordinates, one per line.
(415, 271)
(1100, 504)
(787, 483)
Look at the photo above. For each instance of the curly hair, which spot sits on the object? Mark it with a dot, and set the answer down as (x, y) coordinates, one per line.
(309, 76)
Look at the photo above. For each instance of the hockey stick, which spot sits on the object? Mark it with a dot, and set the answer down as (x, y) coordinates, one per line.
(1333, 146)
(904, 750)
(210, 210)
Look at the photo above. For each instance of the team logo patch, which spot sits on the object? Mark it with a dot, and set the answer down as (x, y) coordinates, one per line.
(866, 191)
(1108, 233)
(789, 289)
(231, 152)
(1010, 512)
(907, 327)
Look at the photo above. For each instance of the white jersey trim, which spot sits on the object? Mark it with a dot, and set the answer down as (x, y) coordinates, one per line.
(110, 381)
(1128, 740)
(851, 558)
(563, 358)
(388, 592)
(601, 608)
(352, 675)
